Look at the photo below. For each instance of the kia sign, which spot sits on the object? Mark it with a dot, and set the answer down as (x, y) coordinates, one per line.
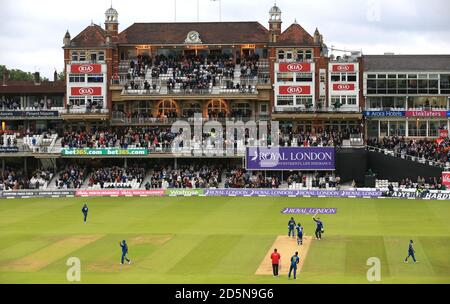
(290, 158)
(295, 90)
(343, 87)
(86, 68)
(86, 91)
(342, 68)
(295, 67)
(446, 179)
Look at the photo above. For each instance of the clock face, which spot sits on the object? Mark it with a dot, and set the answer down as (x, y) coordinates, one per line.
(193, 37)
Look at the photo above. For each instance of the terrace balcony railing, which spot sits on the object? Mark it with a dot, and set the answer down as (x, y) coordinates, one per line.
(119, 118)
(315, 109)
(422, 160)
(84, 111)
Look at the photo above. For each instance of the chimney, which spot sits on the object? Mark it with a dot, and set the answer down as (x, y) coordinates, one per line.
(5, 76)
(37, 78)
(55, 76)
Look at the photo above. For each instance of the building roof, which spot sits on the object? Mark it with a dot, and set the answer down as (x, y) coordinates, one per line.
(295, 35)
(29, 87)
(406, 63)
(92, 36)
(210, 33)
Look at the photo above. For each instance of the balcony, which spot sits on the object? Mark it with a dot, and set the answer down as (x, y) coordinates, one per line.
(119, 119)
(85, 114)
(317, 112)
(315, 109)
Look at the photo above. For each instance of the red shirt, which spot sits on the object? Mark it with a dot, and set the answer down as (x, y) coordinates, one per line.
(275, 258)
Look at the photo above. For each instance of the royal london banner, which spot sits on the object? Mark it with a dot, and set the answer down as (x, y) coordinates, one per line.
(290, 158)
(101, 152)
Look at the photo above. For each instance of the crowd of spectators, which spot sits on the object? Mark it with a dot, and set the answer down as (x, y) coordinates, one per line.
(189, 73)
(117, 177)
(137, 137)
(318, 179)
(162, 137)
(13, 103)
(431, 183)
(40, 178)
(89, 104)
(11, 179)
(431, 150)
(8, 140)
(249, 66)
(241, 178)
(322, 138)
(188, 176)
(14, 179)
(71, 178)
(10, 103)
(93, 139)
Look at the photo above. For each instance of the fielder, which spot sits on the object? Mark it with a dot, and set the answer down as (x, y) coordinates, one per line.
(411, 252)
(85, 211)
(319, 227)
(291, 227)
(124, 246)
(299, 229)
(294, 262)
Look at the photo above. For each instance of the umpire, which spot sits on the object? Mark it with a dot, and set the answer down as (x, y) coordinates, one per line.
(275, 257)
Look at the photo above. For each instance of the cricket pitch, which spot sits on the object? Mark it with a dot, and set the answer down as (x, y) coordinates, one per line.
(286, 247)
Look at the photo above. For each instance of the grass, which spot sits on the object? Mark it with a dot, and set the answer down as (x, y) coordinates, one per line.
(218, 240)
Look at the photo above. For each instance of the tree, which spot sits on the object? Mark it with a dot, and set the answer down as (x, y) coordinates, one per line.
(16, 74)
(61, 76)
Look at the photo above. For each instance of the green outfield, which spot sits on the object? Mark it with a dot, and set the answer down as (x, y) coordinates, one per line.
(218, 240)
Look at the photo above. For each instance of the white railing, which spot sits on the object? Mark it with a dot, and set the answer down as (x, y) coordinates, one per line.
(421, 160)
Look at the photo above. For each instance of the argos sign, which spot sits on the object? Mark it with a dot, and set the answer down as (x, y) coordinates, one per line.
(343, 87)
(86, 91)
(342, 68)
(295, 90)
(295, 67)
(86, 68)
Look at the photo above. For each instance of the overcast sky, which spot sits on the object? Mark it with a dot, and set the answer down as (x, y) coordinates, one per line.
(31, 31)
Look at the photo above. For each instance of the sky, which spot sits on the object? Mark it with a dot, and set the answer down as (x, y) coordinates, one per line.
(32, 31)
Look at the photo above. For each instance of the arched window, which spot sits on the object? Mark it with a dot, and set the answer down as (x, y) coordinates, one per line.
(217, 108)
(167, 108)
